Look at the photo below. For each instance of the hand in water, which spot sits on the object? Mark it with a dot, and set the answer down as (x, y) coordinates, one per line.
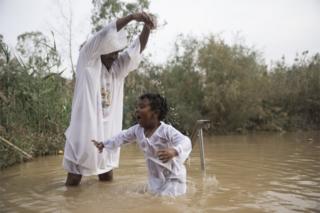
(166, 154)
(99, 145)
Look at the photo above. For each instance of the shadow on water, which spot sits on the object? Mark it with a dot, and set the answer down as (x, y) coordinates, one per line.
(252, 173)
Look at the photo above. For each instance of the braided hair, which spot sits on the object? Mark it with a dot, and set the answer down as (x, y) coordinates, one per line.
(157, 103)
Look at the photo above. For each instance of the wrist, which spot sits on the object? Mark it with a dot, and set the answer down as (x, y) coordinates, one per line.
(147, 27)
(174, 152)
(132, 17)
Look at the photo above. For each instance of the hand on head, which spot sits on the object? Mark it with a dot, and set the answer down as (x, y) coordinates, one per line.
(99, 145)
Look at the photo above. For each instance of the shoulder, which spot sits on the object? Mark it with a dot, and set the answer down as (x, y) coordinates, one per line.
(135, 129)
(169, 130)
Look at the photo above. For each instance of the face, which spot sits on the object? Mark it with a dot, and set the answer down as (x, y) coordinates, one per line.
(109, 58)
(146, 117)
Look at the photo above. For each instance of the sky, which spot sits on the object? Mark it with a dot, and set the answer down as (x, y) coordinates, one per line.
(275, 28)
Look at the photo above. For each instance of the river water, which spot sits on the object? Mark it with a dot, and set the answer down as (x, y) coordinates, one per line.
(252, 173)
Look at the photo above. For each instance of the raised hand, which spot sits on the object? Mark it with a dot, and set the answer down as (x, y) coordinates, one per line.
(144, 17)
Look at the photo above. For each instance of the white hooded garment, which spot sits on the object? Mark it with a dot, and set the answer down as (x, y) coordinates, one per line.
(164, 178)
(89, 119)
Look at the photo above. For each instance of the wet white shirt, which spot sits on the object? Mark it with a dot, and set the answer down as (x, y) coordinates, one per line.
(89, 120)
(164, 178)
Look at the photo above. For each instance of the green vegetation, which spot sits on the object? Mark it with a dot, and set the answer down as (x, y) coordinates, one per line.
(228, 84)
(35, 100)
(232, 87)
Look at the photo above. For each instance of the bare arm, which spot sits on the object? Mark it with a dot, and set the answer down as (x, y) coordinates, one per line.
(139, 17)
(121, 22)
(125, 136)
(144, 37)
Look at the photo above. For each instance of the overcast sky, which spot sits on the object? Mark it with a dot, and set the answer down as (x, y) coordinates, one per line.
(274, 27)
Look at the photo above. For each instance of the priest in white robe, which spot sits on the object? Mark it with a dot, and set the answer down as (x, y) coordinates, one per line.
(97, 104)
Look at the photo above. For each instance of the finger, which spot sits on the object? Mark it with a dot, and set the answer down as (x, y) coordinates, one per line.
(162, 157)
(165, 154)
(160, 152)
(150, 18)
(142, 15)
(165, 160)
(149, 22)
(147, 19)
(144, 18)
(96, 143)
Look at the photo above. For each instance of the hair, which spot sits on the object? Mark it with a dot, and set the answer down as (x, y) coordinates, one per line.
(157, 103)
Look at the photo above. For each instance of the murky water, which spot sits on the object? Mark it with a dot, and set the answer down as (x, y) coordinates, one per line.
(255, 173)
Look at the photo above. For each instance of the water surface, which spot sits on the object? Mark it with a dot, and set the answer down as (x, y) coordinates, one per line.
(252, 173)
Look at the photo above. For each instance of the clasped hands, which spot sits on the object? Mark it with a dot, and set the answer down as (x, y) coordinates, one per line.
(148, 19)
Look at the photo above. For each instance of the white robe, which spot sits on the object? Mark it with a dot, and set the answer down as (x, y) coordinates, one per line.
(88, 119)
(164, 178)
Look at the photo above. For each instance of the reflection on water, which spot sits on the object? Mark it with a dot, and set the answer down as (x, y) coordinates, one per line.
(253, 173)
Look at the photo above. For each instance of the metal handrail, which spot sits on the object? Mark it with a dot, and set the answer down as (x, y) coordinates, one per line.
(197, 132)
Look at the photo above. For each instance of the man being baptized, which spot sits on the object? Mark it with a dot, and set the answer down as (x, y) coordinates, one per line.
(165, 148)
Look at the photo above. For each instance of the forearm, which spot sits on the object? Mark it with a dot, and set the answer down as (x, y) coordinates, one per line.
(115, 142)
(182, 145)
(125, 136)
(139, 17)
(112, 144)
(144, 36)
(122, 22)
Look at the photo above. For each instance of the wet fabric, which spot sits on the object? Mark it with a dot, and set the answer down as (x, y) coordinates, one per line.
(164, 178)
(90, 119)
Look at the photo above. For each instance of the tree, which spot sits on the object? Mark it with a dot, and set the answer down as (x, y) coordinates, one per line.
(35, 101)
(37, 52)
(105, 11)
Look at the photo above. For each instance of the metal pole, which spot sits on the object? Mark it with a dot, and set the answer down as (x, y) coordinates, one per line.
(202, 158)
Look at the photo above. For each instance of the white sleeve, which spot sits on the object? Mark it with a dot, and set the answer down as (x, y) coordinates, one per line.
(128, 60)
(105, 41)
(125, 136)
(180, 143)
